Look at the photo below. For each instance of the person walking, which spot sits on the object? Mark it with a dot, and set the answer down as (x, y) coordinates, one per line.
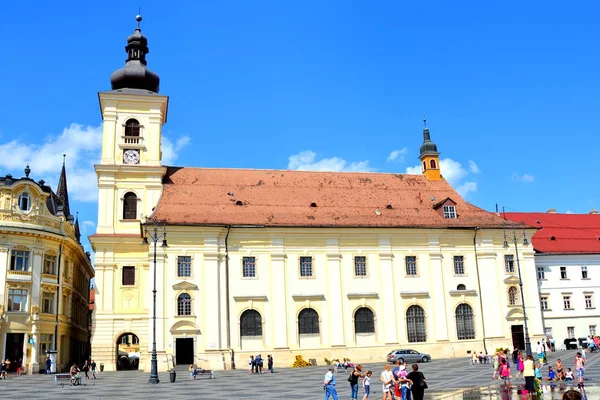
(251, 364)
(367, 385)
(529, 374)
(353, 379)
(329, 385)
(495, 364)
(540, 353)
(386, 380)
(270, 363)
(580, 368)
(93, 367)
(520, 365)
(418, 382)
(48, 365)
(85, 369)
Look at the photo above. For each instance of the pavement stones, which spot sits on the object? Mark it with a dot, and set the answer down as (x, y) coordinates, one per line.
(447, 379)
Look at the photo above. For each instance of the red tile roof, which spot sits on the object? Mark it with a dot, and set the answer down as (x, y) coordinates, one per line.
(562, 233)
(283, 198)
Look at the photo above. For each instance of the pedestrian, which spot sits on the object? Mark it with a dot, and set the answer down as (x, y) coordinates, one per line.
(505, 372)
(270, 363)
(20, 367)
(540, 353)
(529, 373)
(386, 380)
(572, 395)
(580, 368)
(367, 385)
(418, 383)
(560, 372)
(353, 379)
(93, 367)
(329, 385)
(48, 365)
(85, 369)
(520, 365)
(495, 364)
(192, 370)
(259, 364)
(251, 364)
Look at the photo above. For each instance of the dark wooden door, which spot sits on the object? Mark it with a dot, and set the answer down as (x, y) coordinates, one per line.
(518, 337)
(184, 351)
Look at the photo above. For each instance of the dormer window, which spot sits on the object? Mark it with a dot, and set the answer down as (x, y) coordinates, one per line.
(132, 127)
(450, 212)
(24, 202)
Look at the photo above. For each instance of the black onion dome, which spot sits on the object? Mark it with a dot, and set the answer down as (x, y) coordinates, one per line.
(135, 74)
(428, 147)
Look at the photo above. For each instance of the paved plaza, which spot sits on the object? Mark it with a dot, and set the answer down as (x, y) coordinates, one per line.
(447, 379)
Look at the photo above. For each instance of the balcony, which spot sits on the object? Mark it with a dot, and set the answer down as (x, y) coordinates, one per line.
(132, 142)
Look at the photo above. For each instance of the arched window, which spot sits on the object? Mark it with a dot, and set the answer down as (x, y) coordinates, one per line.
(132, 127)
(130, 206)
(251, 323)
(461, 287)
(433, 164)
(424, 165)
(513, 300)
(184, 304)
(24, 202)
(415, 324)
(308, 321)
(464, 322)
(364, 322)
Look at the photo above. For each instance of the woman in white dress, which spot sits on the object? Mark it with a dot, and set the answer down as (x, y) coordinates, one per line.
(386, 379)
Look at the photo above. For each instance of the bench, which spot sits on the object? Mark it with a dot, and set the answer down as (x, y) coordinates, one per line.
(60, 378)
(209, 372)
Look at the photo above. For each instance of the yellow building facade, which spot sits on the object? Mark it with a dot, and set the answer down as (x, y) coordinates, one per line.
(44, 276)
(318, 264)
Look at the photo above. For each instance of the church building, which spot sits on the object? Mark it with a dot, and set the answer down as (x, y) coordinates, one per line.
(318, 264)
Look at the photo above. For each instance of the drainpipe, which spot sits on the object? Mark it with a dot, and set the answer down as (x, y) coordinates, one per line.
(227, 313)
(58, 297)
(476, 229)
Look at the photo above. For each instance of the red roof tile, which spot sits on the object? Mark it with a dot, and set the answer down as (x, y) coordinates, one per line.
(562, 233)
(283, 198)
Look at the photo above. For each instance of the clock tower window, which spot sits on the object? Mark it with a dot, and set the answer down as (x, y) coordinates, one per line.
(132, 127)
(130, 206)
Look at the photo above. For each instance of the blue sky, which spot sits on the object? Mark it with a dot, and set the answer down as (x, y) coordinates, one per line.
(510, 90)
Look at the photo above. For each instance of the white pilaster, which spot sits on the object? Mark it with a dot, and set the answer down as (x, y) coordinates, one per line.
(438, 290)
(390, 335)
(279, 294)
(336, 320)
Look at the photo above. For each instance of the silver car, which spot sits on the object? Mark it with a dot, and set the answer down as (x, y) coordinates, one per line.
(409, 356)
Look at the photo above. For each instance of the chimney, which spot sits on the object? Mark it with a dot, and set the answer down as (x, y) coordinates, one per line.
(551, 211)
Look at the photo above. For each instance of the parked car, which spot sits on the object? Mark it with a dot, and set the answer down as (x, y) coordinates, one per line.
(570, 344)
(409, 356)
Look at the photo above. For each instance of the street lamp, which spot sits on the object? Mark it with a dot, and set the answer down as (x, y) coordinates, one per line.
(525, 242)
(155, 230)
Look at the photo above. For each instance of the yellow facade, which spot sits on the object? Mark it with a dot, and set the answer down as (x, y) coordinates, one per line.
(44, 281)
(431, 167)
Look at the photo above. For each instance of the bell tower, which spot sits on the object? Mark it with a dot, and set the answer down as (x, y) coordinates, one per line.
(429, 156)
(130, 170)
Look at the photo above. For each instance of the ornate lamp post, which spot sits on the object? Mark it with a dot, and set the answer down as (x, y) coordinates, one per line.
(515, 239)
(155, 230)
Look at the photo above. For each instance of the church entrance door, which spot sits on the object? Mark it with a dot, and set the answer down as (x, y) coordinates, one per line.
(184, 351)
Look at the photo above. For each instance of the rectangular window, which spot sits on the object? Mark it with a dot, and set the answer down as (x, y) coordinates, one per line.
(584, 272)
(306, 269)
(449, 212)
(563, 272)
(17, 300)
(411, 265)
(128, 277)
(47, 303)
(567, 302)
(548, 332)
(588, 301)
(541, 272)
(184, 266)
(65, 305)
(19, 260)
(360, 266)
(592, 330)
(509, 263)
(570, 332)
(544, 302)
(459, 265)
(49, 264)
(249, 267)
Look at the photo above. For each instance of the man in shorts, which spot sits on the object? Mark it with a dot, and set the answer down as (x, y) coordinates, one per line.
(580, 368)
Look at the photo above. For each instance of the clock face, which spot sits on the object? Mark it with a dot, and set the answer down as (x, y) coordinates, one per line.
(131, 156)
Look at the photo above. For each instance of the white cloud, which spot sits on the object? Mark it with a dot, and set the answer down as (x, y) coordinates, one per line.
(525, 178)
(170, 150)
(398, 155)
(88, 226)
(455, 174)
(569, 212)
(307, 161)
(474, 168)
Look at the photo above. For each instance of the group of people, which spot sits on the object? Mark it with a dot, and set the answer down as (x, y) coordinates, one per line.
(256, 364)
(74, 371)
(397, 383)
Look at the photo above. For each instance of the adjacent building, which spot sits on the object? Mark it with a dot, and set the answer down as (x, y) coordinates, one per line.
(567, 262)
(44, 275)
(321, 264)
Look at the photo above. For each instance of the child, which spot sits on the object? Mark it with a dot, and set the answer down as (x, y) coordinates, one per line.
(367, 384)
(192, 370)
(551, 375)
(569, 375)
(505, 371)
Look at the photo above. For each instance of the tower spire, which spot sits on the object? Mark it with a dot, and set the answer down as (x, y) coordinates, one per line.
(62, 191)
(429, 156)
(77, 230)
(135, 74)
